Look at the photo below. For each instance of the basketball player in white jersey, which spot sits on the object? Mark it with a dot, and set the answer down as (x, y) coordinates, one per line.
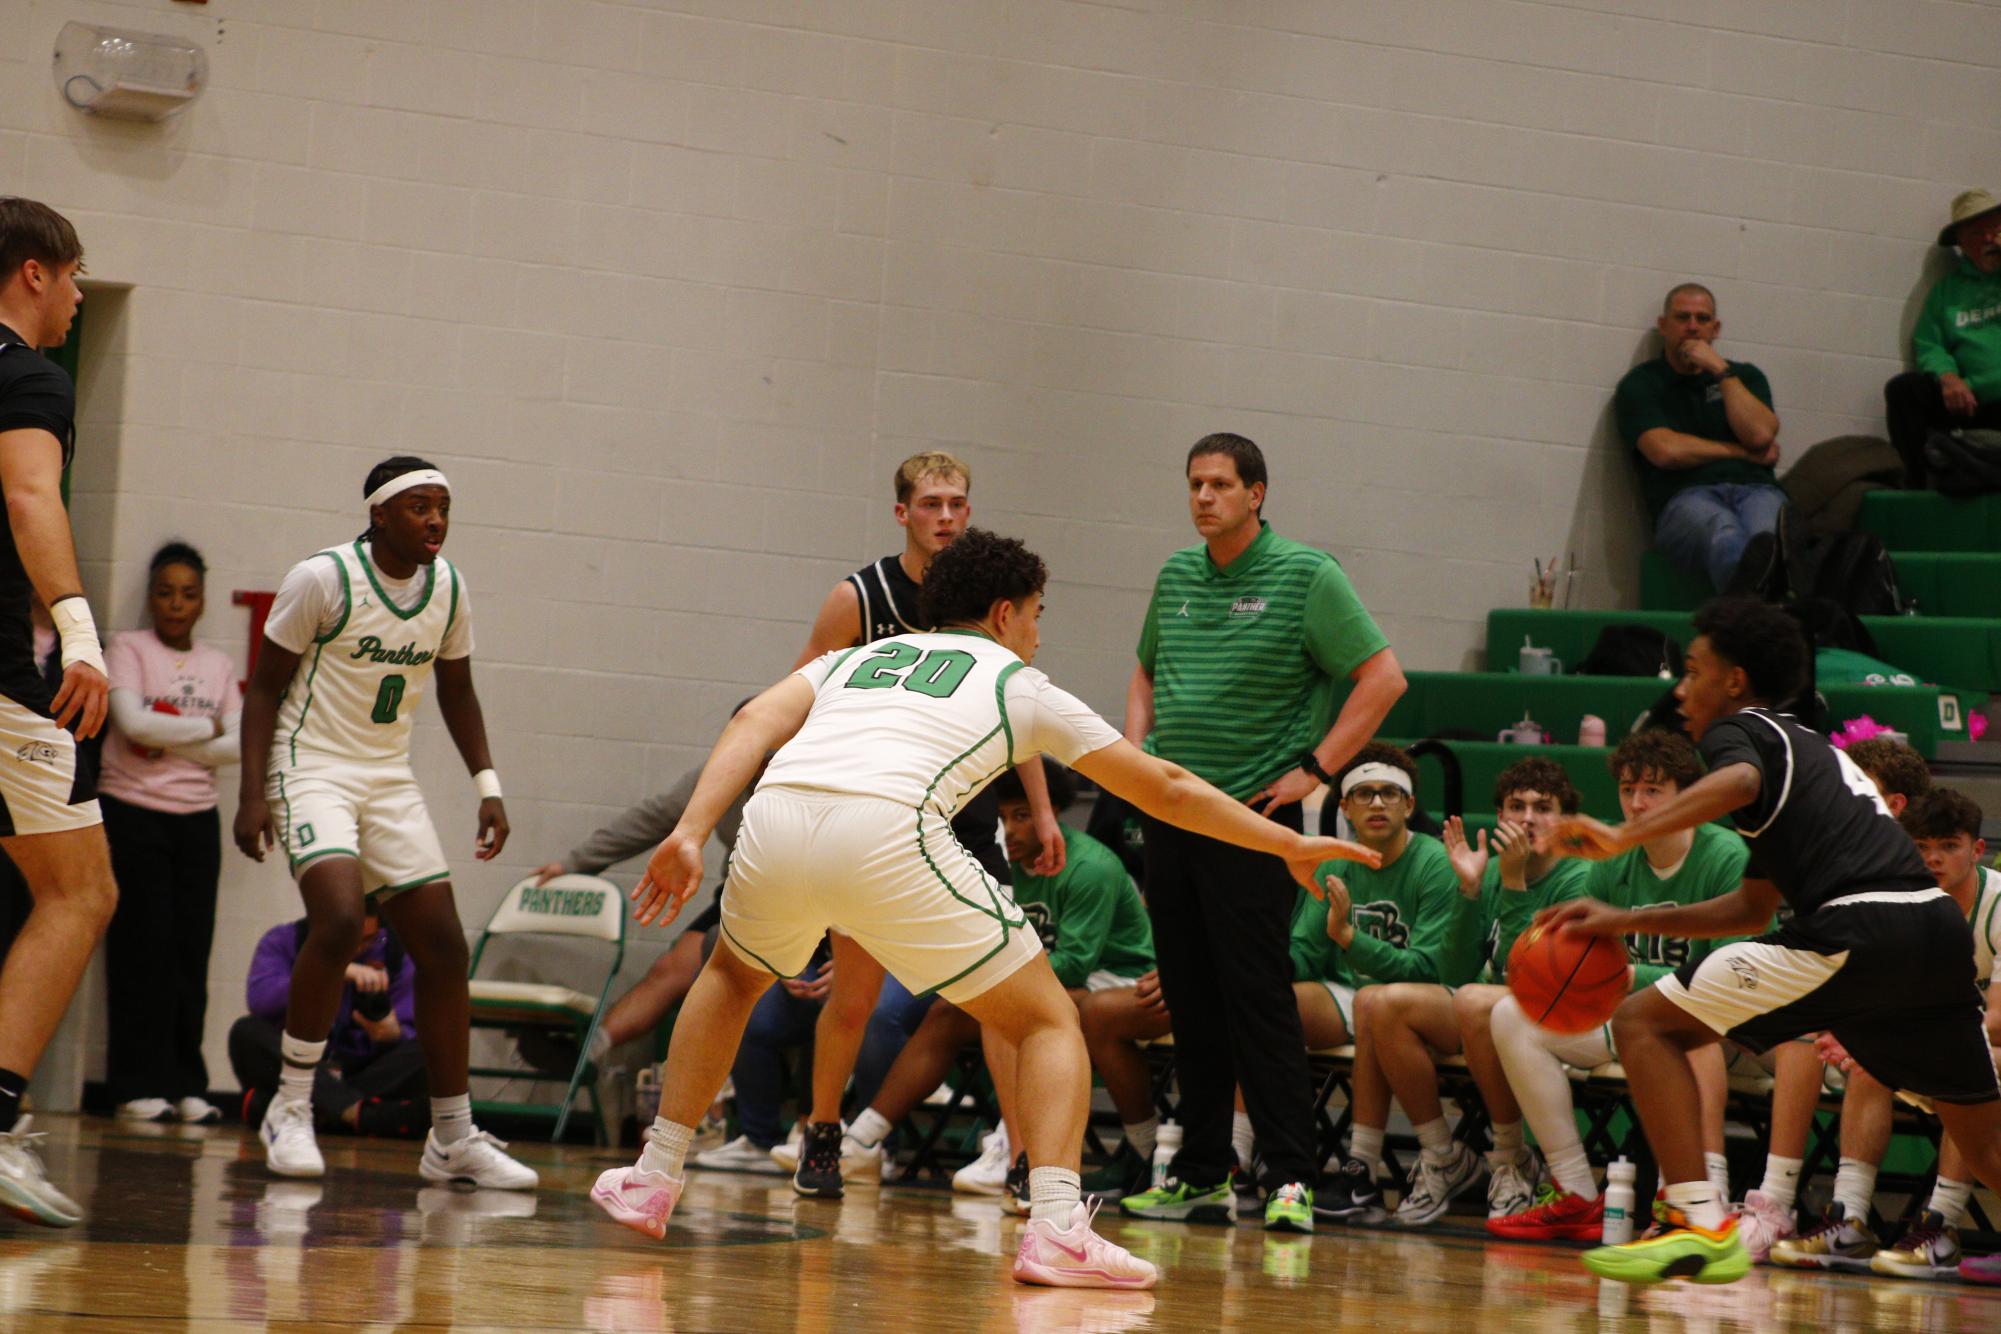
(877, 746)
(353, 638)
(933, 493)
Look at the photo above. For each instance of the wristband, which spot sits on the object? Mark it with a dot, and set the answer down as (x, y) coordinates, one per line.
(78, 630)
(487, 783)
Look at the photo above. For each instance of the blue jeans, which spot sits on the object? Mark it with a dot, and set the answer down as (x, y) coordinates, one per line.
(780, 1022)
(1704, 529)
(897, 1014)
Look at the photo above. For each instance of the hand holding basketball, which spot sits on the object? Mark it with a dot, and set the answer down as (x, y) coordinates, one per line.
(1568, 983)
(1582, 917)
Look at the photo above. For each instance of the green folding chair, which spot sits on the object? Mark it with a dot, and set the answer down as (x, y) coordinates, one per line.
(569, 905)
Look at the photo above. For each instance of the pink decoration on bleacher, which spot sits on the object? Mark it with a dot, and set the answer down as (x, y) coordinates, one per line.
(1976, 726)
(1856, 729)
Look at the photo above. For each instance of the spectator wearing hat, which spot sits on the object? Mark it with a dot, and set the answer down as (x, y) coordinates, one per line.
(1957, 342)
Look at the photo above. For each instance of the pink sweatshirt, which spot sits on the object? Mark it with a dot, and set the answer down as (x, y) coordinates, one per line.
(161, 749)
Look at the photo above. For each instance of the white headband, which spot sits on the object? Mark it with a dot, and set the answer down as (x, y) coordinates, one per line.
(1374, 772)
(397, 485)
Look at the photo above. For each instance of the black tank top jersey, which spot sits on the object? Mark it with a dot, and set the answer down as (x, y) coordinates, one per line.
(889, 607)
(34, 393)
(888, 600)
(1818, 829)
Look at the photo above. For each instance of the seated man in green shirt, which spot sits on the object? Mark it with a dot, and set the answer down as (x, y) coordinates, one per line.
(1956, 344)
(1685, 867)
(1402, 1028)
(1708, 444)
(1099, 943)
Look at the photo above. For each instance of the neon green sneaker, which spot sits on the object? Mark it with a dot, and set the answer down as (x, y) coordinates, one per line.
(1682, 1250)
(1175, 1201)
(1290, 1209)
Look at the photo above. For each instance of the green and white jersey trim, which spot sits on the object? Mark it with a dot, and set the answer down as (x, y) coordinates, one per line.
(1986, 921)
(359, 685)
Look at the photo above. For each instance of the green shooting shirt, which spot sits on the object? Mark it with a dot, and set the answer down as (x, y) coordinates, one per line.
(1088, 914)
(1714, 865)
(1411, 924)
(1507, 912)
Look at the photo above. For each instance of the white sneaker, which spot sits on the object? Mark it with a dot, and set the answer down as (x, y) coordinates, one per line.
(786, 1155)
(1073, 1256)
(25, 1190)
(478, 1158)
(290, 1148)
(1433, 1186)
(941, 1096)
(146, 1109)
(739, 1155)
(1511, 1185)
(198, 1112)
(986, 1174)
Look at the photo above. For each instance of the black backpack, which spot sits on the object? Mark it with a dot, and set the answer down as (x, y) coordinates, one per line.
(1964, 463)
(1631, 650)
(1851, 570)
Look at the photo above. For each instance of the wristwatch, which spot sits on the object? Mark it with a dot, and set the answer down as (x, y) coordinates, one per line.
(1311, 763)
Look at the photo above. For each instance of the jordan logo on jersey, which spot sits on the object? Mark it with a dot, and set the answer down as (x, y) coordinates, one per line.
(370, 647)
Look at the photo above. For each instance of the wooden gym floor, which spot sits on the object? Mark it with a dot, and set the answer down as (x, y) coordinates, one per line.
(188, 1232)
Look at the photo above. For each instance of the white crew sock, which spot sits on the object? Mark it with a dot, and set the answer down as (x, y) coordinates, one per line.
(1508, 1143)
(1434, 1137)
(1053, 1194)
(1949, 1199)
(1366, 1143)
(1571, 1168)
(295, 1075)
(1242, 1139)
(451, 1118)
(1718, 1170)
(870, 1128)
(666, 1149)
(1854, 1187)
(1782, 1180)
(1143, 1136)
(1698, 1202)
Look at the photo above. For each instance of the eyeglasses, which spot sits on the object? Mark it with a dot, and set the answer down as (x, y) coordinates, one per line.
(1371, 796)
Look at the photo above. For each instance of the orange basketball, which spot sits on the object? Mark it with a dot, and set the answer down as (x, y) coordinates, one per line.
(1567, 984)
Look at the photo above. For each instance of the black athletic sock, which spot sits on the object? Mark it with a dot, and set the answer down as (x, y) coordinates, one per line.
(12, 1086)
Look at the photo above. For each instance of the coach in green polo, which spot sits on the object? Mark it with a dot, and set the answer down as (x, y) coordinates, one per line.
(1244, 641)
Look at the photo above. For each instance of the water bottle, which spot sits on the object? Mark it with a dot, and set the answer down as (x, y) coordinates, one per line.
(1619, 1202)
(1166, 1143)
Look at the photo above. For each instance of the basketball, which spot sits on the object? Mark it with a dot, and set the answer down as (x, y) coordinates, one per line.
(1565, 983)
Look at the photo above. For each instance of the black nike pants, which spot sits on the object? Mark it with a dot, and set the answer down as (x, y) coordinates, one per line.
(1221, 921)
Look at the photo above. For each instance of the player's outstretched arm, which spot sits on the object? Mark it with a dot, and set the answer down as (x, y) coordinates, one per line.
(1711, 797)
(458, 704)
(1746, 910)
(759, 727)
(254, 830)
(1169, 792)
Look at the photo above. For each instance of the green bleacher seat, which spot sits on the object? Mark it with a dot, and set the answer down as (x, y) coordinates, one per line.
(1480, 762)
(1961, 652)
(1483, 703)
(1666, 588)
(1950, 583)
(1927, 521)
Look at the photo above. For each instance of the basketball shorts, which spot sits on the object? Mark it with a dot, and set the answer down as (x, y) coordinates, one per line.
(1102, 979)
(1889, 974)
(1344, 1001)
(373, 813)
(894, 880)
(1581, 1051)
(47, 785)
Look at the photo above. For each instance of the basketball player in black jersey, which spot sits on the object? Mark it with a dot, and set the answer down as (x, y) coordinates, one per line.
(1876, 954)
(49, 822)
(933, 506)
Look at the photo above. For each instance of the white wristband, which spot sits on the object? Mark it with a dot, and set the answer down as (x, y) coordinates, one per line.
(79, 632)
(487, 783)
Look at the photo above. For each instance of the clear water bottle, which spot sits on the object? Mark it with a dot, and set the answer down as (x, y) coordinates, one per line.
(1166, 1143)
(1620, 1202)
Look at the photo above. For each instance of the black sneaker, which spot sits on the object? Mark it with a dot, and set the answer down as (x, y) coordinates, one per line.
(819, 1174)
(1125, 1174)
(1350, 1195)
(1760, 572)
(1015, 1198)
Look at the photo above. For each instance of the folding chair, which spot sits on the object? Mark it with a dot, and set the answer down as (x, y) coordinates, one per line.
(569, 905)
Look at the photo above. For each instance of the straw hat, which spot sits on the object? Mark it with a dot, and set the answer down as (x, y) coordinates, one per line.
(1968, 206)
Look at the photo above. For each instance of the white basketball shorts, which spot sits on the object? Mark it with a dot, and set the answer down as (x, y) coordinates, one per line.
(373, 813)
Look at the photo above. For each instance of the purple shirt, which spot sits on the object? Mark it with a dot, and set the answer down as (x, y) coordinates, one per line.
(270, 983)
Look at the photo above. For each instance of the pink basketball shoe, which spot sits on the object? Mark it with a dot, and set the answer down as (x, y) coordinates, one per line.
(640, 1200)
(1073, 1256)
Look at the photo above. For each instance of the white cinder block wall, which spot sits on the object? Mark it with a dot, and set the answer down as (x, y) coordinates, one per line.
(669, 287)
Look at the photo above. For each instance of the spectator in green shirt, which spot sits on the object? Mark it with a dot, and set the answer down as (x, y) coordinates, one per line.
(1403, 1027)
(1689, 866)
(1956, 345)
(1708, 444)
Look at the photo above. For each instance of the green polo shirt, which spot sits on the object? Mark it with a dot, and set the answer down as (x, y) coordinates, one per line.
(1244, 659)
(1653, 394)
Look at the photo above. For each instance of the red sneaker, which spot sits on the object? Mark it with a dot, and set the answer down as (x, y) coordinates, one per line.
(1559, 1215)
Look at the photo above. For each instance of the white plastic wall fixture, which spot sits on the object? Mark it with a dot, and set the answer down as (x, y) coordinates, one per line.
(127, 75)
